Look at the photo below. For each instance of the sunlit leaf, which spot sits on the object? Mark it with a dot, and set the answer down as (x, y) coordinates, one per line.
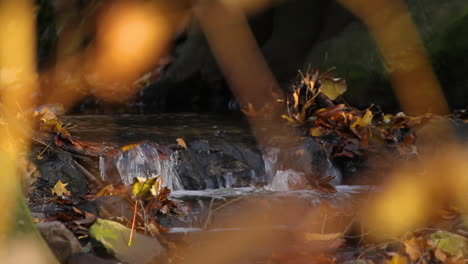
(333, 87)
(397, 259)
(317, 131)
(296, 99)
(129, 147)
(181, 143)
(60, 188)
(452, 244)
(142, 187)
(414, 248)
(364, 120)
(111, 190)
(289, 119)
(300, 152)
(387, 118)
(322, 237)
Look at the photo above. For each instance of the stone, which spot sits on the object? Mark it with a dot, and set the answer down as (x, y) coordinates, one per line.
(114, 237)
(61, 241)
(55, 166)
(86, 258)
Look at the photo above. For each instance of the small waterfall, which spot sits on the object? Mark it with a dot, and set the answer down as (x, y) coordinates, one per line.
(270, 158)
(144, 161)
(279, 180)
(283, 180)
(335, 172)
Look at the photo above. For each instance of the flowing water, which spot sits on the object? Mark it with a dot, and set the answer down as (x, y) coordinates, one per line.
(148, 158)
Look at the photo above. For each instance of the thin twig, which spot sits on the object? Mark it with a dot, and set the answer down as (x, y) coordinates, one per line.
(227, 203)
(208, 217)
(88, 174)
(133, 223)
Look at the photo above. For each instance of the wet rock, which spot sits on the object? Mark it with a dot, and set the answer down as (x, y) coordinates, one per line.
(84, 258)
(308, 157)
(61, 241)
(218, 163)
(55, 166)
(227, 173)
(114, 237)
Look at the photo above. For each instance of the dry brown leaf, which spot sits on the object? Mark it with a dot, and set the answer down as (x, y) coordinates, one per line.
(440, 254)
(413, 248)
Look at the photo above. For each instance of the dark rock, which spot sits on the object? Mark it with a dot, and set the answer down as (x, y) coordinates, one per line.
(114, 237)
(61, 241)
(310, 158)
(218, 163)
(55, 166)
(85, 258)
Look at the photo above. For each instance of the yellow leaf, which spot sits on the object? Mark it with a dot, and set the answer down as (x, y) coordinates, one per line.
(288, 118)
(363, 121)
(387, 118)
(317, 131)
(296, 99)
(60, 188)
(300, 152)
(142, 187)
(397, 259)
(322, 237)
(129, 147)
(181, 143)
(333, 87)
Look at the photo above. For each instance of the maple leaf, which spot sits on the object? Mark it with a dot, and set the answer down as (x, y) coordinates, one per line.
(60, 189)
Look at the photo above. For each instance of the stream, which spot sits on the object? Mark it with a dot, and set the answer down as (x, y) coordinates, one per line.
(223, 181)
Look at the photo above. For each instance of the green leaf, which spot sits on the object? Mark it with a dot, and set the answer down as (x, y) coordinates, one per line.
(453, 244)
(142, 187)
(333, 87)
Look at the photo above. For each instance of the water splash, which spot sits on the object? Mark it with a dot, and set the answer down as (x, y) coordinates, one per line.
(285, 180)
(280, 180)
(144, 161)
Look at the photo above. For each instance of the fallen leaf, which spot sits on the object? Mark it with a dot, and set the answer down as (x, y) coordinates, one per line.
(414, 248)
(289, 119)
(300, 152)
(317, 131)
(60, 188)
(181, 143)
(397, 259)
(142, 187)
(322, 237)
(129, 147)
(453, 244)
(296, 99)
(364, 120)
(440, 254)
(333, 87)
